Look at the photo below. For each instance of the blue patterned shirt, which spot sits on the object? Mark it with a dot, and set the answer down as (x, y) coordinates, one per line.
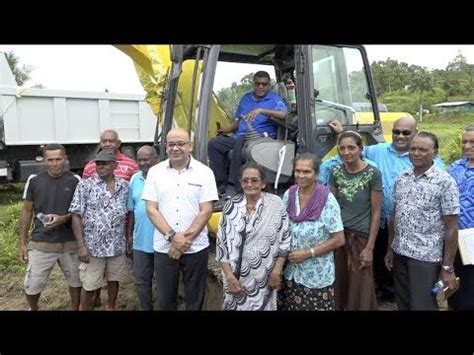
(315, 272)
(420, 203)
(464, 176)
(390, 163)
(103, 215)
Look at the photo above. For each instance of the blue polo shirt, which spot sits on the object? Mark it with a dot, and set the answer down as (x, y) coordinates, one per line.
(261, 123)
(390, 164)
(143, 229)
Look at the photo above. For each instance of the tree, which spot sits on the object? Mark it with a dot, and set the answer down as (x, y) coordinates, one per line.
(422, 83)
(21, 73)
(390, 75)
(229, 97)
(458, 80)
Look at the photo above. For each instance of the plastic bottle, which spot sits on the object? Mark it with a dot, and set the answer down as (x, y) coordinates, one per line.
(442, 292)
(290, 88)
(439, 287)
(45, 218)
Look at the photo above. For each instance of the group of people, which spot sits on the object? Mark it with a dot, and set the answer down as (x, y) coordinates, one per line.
(154, 213)
(375, 219)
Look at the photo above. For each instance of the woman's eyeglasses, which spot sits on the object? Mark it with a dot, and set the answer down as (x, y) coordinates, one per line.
(253, 180)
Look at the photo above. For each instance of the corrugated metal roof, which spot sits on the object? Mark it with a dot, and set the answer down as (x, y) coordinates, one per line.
(453, 103)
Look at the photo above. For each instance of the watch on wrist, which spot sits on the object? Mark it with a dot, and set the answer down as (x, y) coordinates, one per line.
(448, 268)
(170, 235)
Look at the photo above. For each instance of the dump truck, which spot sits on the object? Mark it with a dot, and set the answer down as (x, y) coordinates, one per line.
(31, 118)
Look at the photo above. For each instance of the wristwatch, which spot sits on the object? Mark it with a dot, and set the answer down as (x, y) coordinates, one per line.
(448, 268)
(170, 235)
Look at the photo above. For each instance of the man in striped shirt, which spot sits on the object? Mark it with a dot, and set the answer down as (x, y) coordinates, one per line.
(126, 167)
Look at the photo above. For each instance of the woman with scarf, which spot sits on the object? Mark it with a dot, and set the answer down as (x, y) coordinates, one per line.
(252, 244)
(358, 190)
(316, 230)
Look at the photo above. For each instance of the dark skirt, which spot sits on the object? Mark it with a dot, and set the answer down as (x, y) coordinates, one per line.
(354, 287)
(296, 297)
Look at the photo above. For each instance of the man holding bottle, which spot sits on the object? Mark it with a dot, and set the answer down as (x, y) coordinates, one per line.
(48, 195)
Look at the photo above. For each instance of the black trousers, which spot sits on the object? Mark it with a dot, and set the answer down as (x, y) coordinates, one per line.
(224, 171)
(143, 277)
(382, 276)
(413, 280)
(194, 269)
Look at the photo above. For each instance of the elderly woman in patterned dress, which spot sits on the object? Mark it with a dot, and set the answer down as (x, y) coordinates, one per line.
(316, 230)
(252, 244)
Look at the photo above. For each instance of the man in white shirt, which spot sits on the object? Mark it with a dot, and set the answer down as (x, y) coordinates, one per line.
(179, 193)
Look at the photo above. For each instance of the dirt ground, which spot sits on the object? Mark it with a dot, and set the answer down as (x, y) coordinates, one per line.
(56, 296)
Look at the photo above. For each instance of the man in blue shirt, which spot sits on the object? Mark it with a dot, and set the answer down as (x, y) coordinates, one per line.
(254, 108)
(391, 159)
(140, 230)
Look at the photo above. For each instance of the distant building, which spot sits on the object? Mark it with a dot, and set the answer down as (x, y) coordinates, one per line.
(455, 106)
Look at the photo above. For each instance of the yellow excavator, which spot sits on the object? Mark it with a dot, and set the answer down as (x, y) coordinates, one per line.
(178, 80)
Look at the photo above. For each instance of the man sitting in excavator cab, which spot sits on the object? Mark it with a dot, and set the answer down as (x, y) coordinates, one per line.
(254, 111)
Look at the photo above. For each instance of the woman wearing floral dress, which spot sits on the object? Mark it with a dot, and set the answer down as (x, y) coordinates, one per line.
(358, 189)
(316, 230)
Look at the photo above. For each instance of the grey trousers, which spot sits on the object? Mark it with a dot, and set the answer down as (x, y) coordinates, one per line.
(413, 280)
(143, 276)
(194, 269)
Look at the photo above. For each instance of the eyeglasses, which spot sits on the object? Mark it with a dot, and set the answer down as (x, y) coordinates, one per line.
(253, 180)
(405, 132)
(176, 144)
(259, 83)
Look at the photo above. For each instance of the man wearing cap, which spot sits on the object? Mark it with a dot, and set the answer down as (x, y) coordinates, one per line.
(126, 167)
(99, 208)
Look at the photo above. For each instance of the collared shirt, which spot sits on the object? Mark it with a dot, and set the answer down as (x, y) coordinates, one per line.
(390, 163)
(261, 123)
(315, 272)
(103, 215)
(178, 195)
(464, 176)
(126, 167)
(143, 229)
(420, 203)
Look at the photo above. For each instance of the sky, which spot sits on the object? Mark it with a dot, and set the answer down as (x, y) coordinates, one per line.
(101, 67)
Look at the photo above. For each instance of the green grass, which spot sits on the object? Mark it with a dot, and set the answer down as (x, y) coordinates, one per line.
(448, 128)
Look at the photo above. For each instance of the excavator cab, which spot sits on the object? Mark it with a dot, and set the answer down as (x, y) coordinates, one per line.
(319, 83)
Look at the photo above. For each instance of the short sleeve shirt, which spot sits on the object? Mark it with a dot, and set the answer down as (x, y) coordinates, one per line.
(103, 215)
(178, 195)
(420, 203)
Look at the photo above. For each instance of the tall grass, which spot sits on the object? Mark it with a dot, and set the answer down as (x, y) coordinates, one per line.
(448, 128)
(9, 238)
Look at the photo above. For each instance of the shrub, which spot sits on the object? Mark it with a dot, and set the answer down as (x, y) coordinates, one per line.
(9, 224)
